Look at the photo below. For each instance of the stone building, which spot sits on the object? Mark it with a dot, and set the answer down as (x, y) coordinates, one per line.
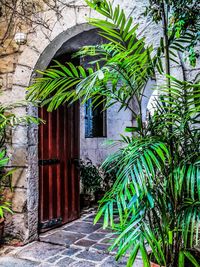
(17, 68)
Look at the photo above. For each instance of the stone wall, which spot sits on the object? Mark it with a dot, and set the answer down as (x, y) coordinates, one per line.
(17, 66)
(97, 149)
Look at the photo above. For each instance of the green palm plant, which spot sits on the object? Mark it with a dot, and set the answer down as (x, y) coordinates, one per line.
(8, 120)
(156, 197)
(5, 206)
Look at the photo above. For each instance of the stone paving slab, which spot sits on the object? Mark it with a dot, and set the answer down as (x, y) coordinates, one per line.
(85, 243)
(82, 227)
(14, 262)
(93, 256)
(66, 261)
(78, 244)
(84, 264)
(62, 238)
(39, 251)
(70, 251)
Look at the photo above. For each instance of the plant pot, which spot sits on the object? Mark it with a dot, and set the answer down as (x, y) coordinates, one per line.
(2, 224)
(155, 264)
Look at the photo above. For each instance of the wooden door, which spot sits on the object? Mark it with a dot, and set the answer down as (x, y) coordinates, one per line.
(58, 172)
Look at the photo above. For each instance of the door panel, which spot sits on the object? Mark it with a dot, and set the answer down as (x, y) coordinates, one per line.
(58, 173)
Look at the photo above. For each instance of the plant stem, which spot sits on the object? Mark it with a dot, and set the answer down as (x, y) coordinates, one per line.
(168, 81)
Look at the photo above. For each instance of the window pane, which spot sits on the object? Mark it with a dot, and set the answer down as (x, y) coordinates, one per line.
(95, 119)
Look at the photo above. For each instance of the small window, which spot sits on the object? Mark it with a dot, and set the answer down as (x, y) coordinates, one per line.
(95, 119)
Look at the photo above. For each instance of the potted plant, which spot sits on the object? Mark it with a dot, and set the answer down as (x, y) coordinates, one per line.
(156, 193)
(90, 181)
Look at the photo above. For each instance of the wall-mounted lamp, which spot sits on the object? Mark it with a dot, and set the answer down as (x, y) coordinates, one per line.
(20, 38)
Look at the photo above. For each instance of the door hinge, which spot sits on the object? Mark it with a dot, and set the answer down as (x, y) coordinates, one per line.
(48, 161)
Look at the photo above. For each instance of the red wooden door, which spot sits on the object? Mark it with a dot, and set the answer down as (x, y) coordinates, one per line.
(58, 172)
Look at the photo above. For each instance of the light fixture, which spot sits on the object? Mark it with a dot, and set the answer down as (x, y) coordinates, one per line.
(20, 38)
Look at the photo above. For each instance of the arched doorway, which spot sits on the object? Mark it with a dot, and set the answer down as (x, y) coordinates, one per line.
(59, 149)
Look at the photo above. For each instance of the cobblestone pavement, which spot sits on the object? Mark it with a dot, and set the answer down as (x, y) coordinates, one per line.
(78, 244)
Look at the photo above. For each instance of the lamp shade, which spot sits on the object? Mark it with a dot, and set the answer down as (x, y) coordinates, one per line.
(20, 38)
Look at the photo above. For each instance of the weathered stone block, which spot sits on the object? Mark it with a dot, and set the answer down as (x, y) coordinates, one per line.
(33, 154)
(32, 225)
(62, 238)
(32, 135)
(9, 46)
(83, 227)
(82, 14)
(39, 36)
(85, 264)
(18, 156)
(29, 57)
(85, 243)
(66, 262)
(33, 195)
(7, 63)
(39, 251)
(22, 75)
(18, 199)
(67, 21)
(16, 226)
(89, 255)
(19, 178)
(19, 135)
(10, 262)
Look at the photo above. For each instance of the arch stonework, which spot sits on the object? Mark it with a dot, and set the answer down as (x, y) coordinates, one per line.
(24, 223)
(24, 150)
(41, 46)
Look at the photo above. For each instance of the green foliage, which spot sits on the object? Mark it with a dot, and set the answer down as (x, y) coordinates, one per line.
(5, 206)
(96, 179)
(8, 120)
(183, 22)
(156, 193)
(90, 177)
(126, 68)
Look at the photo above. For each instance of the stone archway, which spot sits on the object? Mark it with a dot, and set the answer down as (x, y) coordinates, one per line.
(29, 61)
(24, 223)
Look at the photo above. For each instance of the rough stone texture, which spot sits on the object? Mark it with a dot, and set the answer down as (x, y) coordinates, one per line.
(7, 64)
(18, 155)
(39, 251)
(31, 57)
(96, 236)
(10, 262)
(85, 243)
(84, 264)
(70, 251)
(82, 227)
(22, 75)
(45, 254)
(16, 226)
(65, 262)
(101, 247)
(19, 135)
(88, 255)
(62, 238)
(110, 262)
(16, 71)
